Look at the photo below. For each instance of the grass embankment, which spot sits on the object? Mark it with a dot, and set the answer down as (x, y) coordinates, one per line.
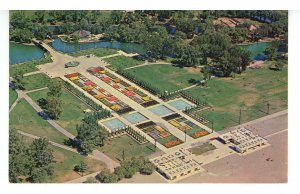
(114, 148)
(166, 77)
(23, 117)
(36, 81)
(28, 67)
(72, 107)
(12, 96)
(98, 52)
(251, 92)
(122, 62)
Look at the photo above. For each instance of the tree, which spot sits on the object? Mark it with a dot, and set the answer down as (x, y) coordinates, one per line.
(54, 107)
(18, 158)
(271, 51)
(41, 159)
(147, 168)
(106, 177)
(19, 79)
(41, 32)
(116, 16)
(81, 167)
(55, 88)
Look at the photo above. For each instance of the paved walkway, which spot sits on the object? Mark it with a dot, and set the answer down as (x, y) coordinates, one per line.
(147, 64)
(111, 164)
(36, 90)
(31, 73)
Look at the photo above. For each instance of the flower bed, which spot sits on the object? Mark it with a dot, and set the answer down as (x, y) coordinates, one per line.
(72, 75)
(172, 143)
(200, 134)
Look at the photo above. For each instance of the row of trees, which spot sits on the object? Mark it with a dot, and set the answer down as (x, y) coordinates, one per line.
(127, 169)
(33, 163)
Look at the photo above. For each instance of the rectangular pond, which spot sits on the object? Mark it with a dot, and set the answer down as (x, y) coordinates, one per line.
(160, 110)
(113, 124)
(135, 118)
(180, 104)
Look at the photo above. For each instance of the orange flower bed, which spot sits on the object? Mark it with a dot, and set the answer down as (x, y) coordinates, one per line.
(200, 134)
(172, 143)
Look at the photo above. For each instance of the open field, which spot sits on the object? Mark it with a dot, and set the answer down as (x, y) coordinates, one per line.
(23, 117)
(167, 77)
(12, 96)
(122, 62)
(114, 148)
(250, 91)
(98, 52)
(66, 160)
(36, 81)
(72, 113)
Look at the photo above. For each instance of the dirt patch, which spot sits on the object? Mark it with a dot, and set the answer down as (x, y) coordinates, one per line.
(249, 99)
(192, 70)
(59, 157)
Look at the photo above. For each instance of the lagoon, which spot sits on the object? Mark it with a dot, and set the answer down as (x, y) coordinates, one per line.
(19, 53)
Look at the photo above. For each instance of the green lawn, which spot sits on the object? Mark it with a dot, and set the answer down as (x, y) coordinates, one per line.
(122, 62)
(99, 52)
(202, 148)
(36, 81)
(72, 113)
(167, 77)
(66, 160)
(250, 91)
(114, 148)
(28, 67)
(12, 96)
(24, 117)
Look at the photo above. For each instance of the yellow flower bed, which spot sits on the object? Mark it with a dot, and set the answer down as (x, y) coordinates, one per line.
(130, 88)
(159, 128)
(117, 80)
(115, 107)
(146, 98)
(103, 72)
(174, 123)
(73, 78)
(184, 128)
(88, 88)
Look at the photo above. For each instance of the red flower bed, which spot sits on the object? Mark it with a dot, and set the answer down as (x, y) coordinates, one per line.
(129, 93)
(101, 90)
(72, 75)
(106, 79)
(116, 86)
(112, 98)
(89, 83)
(95, 69)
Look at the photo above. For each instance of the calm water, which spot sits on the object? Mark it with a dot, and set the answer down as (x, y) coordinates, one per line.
(65, 47)
(257, 50)
(19, 53)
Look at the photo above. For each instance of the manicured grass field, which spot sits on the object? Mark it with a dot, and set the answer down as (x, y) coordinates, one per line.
(167, 77)
(122, 62)
(12, 96)
(23, 117)
(36, 81)
(72, 113)
(203, 148)
(99, 52)
(114, 148)
(28, 67)
(66, 160)
(250, 91)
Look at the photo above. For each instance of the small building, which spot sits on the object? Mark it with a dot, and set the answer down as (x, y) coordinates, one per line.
(72, 64)
(82, 34)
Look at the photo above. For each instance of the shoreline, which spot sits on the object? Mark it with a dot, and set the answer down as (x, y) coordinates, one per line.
(26, 44)
(260, 41)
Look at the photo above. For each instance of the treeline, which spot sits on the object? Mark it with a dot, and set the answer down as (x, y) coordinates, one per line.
(29, 163)
(127, 169)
